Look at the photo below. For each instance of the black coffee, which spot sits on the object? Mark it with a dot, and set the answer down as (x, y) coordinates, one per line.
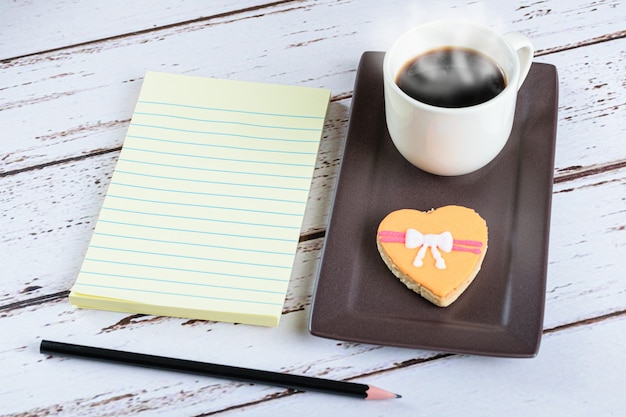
(451, 77)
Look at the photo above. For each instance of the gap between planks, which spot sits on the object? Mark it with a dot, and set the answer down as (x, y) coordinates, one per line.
(542, 52)
(579, 171)
(156, 29)
(589, 42)
(404, 364)
(400, 365)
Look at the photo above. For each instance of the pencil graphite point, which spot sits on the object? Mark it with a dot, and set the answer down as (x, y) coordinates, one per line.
(375, 393)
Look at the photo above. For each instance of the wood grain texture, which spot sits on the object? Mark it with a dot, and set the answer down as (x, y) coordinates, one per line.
(463, 385)
(63, 23)
(70, 73)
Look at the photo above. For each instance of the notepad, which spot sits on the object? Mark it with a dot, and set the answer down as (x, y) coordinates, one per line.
(203, 213)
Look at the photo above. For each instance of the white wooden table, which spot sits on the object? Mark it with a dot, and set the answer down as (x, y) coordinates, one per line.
(69, 74)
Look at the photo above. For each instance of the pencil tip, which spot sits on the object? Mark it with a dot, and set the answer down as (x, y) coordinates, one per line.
(375, 393)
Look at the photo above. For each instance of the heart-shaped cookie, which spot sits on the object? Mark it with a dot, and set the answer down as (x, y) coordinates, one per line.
(437, 253)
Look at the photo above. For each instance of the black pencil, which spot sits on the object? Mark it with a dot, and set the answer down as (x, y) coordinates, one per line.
(296, 382)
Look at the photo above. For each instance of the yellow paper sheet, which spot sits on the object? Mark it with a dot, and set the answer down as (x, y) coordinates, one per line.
(203, 214)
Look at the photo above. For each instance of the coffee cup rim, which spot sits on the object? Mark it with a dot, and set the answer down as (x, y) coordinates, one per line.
(510, 79)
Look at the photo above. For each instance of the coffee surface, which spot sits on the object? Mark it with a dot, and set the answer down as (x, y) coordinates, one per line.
(452, 78)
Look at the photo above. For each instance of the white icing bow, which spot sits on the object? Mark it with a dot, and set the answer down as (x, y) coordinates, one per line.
(443, 241)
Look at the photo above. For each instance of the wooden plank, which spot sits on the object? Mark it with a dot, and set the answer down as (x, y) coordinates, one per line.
(92, 106)
(57, 19)
(592, 94)
(61, 23)
(579, 372)
(587, 243)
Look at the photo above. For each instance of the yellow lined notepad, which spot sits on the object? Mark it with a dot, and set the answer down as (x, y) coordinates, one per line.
(203, 214)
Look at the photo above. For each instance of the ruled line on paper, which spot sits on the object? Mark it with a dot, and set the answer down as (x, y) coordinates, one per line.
(191, 271)
(232, 184)
(178, 282)
(213, 145)
(218, 159)
(194, 244)
(177, 203)
(141, 252)
(236, 300)
(221, 171)
(208, 194)
(235, 135)
(272, 265)
(145, 213)
(299, 116)
(171, 229)
(217, 121)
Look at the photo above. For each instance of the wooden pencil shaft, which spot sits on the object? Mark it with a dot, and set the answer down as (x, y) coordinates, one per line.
(297, 382)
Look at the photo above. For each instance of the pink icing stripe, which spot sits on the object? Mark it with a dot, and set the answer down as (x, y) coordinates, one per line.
(392, 239)
(463, 249)
(468, 243)
(388, 236)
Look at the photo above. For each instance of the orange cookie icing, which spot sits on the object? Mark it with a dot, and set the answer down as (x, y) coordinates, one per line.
(435, 253)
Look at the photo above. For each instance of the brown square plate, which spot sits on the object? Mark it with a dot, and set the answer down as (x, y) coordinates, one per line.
(501, 314)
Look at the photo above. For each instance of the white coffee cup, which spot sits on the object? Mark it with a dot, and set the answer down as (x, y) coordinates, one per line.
(454, 141)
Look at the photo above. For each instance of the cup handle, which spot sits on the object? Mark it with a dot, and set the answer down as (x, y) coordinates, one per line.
(525, 52)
